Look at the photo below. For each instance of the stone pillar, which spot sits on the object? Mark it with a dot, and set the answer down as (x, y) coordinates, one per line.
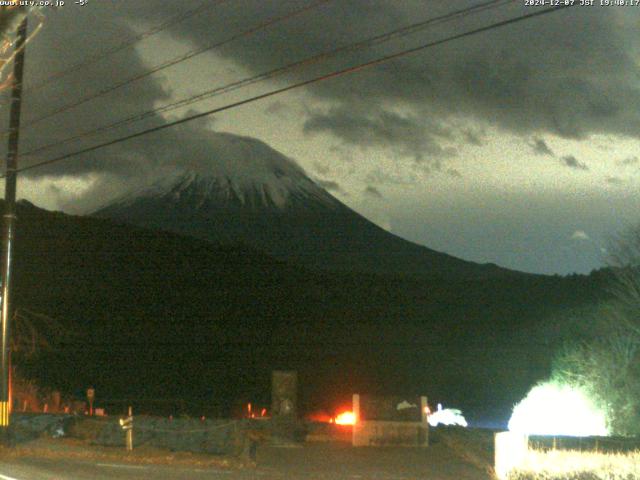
(284, 405)
(284, 394)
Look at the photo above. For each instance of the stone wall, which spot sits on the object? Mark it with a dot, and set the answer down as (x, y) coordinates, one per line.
(221, 437)
(390, 420)
(214, 436)
(29, 426)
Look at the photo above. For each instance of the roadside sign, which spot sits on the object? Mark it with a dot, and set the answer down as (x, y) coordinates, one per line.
(91, 395)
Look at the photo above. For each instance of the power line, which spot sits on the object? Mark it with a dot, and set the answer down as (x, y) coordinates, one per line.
(304, 83)
(319, 343)
(296, 85)
(176, 60)
(270, 347)
(322, 56)
(368, 42)
(121, 46)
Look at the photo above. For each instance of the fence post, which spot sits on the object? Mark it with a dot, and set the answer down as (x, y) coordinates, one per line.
(127, 425)
(355, 407)
(130, 432)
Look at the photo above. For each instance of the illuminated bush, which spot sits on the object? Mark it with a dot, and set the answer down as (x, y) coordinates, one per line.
(553, 409)
(606, 364)
(607, 370)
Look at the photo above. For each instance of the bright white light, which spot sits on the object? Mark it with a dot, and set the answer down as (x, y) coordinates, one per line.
(551, 409)
(446, 416)
(511, 450)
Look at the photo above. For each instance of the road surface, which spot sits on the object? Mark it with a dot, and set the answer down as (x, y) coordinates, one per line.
(311, 462)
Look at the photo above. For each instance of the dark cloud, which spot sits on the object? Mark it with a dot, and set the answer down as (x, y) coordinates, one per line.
(329, 185)
(615, 180)
(321, 168)
(408, 135)
(562, 74)
(119, 166)
(502, 77)
(125, 165)
(54, 50)
(572, 162)
(473, 138)
(545, 74)
(625, 162)
(452, 172)
(373, 192)
(540, 147)
(277, 108)
(402, 177)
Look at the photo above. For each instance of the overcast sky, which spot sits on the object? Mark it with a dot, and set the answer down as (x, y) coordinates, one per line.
(519, 146)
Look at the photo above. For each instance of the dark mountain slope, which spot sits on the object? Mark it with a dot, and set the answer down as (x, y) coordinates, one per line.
(158, 315)
(254, 195)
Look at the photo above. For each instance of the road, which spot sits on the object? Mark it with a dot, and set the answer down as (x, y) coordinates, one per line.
(311, 462)
(47, 469)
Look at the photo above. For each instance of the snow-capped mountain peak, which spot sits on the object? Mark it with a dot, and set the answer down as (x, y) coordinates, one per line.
(246, 192)
(242, 171)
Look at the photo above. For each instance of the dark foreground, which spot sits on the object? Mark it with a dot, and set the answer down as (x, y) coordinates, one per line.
(447, 459)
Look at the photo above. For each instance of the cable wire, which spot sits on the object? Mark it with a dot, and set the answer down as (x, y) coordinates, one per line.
(207, 94)
(174, 61)
(297, 85)
(121, 46)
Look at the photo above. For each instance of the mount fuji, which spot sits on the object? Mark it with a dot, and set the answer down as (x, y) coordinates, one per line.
(246, 192)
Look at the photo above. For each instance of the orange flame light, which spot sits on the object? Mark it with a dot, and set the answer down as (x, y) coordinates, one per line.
(346, 418)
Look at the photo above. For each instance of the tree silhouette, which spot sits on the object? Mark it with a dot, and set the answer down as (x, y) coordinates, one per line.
(608, 367)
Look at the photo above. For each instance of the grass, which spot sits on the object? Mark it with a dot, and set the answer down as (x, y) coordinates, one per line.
(578, 465)
(79, 444)
(474, 446)
(82, 450)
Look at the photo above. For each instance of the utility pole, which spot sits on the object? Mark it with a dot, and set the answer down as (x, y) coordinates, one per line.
(8, 234)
